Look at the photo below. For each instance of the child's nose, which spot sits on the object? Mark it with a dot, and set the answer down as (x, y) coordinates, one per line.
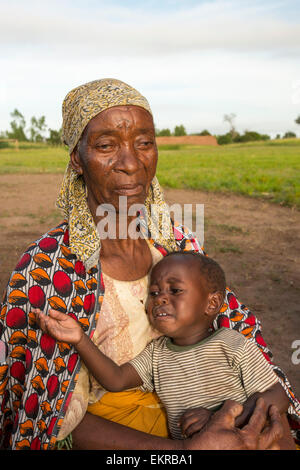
(161, 299)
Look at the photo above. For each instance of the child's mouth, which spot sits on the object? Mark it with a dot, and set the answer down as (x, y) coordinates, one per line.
(160, 314)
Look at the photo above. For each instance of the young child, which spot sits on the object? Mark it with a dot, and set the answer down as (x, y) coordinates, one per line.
(190, 366)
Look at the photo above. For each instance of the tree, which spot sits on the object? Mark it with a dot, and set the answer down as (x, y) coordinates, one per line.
(250, 136)
(179, 130)
(55, 137)
(164, 133)
(297, 121)
(230, 118)
(224, 139)
(38, 127)
(204, 132)
(289, 135)
(17, 126)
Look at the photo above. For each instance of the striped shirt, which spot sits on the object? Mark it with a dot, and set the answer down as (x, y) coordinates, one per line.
(223, 366)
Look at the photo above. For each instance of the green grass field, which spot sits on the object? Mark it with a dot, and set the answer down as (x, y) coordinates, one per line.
(269, 170)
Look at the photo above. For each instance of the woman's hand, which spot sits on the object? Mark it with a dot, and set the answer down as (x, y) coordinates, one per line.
(194, 420)
(220, 433)
(274, 395)
(59, 325)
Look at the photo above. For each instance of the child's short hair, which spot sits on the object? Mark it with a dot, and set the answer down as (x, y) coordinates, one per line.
(208, 268)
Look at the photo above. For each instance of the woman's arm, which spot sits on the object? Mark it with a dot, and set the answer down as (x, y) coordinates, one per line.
(274, 395)
(112, 377)
(194, 420)
(95, 433)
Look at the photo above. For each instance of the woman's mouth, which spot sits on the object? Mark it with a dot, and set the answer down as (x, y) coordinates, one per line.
(129, 189)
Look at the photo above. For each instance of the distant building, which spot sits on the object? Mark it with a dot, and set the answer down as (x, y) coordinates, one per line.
(187, 140)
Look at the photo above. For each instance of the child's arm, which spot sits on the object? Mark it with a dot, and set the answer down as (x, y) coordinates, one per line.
(111, 376)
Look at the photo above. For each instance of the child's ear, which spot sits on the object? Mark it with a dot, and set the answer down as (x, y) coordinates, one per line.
(215, 302)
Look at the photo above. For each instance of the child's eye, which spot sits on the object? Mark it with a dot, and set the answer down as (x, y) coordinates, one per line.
(153, 293)
(175, 291)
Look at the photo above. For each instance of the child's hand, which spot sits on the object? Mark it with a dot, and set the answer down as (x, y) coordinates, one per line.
(59, 325)
(193, 420)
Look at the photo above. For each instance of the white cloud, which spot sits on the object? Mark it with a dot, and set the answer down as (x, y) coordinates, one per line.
(209, 26)
(194, 65)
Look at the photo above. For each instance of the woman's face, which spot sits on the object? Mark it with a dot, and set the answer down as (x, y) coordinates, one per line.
(117, 156)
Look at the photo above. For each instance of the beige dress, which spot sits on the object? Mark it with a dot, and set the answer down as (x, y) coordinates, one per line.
(121, 333)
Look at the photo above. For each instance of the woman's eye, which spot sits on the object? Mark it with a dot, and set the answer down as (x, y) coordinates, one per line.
(144, 143)
(104, 145)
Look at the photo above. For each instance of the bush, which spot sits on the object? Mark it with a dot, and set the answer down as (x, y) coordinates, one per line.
(163, 133)
(224, 139)
(289, 135)
(4, 145)
(169, 147)
(54, 137)
(203, 133)
(251, 136)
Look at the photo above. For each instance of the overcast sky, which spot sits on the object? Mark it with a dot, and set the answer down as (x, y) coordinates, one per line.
(194, 60)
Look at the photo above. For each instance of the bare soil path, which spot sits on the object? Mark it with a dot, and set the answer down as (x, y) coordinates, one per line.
(257, 244)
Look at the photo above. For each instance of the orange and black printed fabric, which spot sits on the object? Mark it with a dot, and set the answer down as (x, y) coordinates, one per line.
(38, 374)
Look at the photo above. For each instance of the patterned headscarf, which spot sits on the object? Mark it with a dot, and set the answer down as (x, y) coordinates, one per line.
(79, 107)
(86, 101)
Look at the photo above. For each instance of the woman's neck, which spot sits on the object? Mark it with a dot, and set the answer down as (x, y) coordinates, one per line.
(125, 260)
(125, 254)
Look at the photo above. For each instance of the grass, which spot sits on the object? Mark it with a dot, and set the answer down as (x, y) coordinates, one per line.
(269, 170)
(33, 158)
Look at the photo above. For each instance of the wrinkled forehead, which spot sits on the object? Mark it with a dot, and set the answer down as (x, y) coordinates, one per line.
(133, 118)
(85, 102)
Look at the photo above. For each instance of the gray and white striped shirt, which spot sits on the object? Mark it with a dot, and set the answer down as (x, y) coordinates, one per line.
(223, 366)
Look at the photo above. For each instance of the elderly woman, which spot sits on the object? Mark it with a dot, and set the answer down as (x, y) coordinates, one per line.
(47, 394)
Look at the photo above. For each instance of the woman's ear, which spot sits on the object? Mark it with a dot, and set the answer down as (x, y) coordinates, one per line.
(215, 302)
(76, 162)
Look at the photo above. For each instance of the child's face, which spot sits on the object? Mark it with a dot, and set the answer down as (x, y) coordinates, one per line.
(178, 300)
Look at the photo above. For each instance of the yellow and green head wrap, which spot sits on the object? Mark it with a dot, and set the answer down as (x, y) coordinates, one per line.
(80, 106)
(86, 101)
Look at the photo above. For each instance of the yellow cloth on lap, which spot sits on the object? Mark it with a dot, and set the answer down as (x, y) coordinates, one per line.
(135, 409)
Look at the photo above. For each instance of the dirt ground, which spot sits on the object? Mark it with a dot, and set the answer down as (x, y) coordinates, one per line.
(257, 243)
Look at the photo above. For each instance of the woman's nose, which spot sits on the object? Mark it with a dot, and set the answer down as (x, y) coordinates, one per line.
(128, 160)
